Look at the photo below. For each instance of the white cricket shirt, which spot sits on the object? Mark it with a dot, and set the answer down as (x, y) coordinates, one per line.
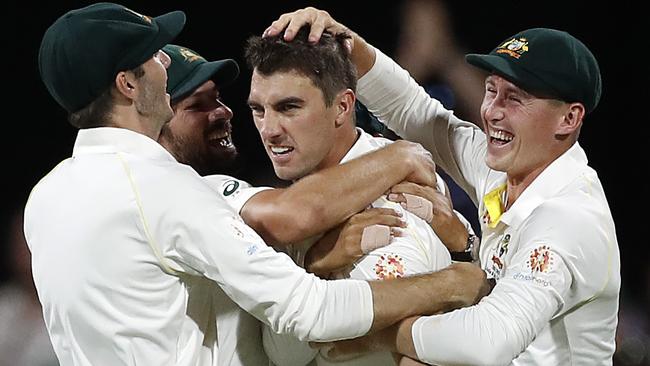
(554, 253)
(419, 250)
(127, 246)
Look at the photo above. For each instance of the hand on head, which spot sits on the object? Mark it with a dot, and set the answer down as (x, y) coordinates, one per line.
(319, 20)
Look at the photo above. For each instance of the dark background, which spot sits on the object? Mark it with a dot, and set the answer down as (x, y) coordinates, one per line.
(36, 135)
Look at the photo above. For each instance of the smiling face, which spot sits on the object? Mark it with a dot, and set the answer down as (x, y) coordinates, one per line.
(199, 134)
(298, 130)
(524, 132)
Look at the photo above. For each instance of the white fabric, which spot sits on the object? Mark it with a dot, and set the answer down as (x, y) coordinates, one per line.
(418, 251)
(562, 312)
(127, 246)
(234, 191)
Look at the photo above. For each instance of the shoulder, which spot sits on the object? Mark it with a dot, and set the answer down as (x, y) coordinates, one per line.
(570, 226)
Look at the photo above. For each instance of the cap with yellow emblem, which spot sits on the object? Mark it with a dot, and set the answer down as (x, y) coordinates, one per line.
(83, 50)
(546, 61)
(188, 71)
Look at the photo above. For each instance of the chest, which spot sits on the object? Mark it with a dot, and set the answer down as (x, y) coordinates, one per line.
(497, 249)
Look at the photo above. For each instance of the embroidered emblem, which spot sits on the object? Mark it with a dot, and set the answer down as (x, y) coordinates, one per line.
(189, 55)
(497, 257)
(143, 17)
(514, 47)
(389, 266)
(229, 187)
(540, 259)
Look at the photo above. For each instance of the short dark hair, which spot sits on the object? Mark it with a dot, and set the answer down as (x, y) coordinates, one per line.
(98, 112)
(327, 63)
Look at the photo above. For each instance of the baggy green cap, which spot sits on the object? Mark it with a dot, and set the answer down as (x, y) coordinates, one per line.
(546, 61)
(188, 71)
(83, 50)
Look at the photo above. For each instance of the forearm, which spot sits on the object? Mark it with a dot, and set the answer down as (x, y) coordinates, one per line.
(493, 332)
(394, 97)
(363, 55)
(319, 260)
(456, 286)
(326, 198)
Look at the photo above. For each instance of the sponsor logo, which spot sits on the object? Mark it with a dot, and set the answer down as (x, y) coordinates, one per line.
(529, 277)
(230, 187)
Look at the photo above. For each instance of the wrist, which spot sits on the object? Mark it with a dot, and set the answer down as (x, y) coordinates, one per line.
(470, 252)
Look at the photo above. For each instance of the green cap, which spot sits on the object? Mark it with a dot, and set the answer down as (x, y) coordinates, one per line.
(85, 48)
(547, 61)
(188, 71)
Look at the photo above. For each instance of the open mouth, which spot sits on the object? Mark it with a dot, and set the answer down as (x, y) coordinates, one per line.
(280, 150)
(500, 137)
(221, 139)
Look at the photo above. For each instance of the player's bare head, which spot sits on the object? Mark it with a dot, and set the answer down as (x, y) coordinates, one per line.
(326, 63)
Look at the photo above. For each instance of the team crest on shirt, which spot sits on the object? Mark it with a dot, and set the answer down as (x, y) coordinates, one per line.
(389, 266)
(540, 260)
(495, 268)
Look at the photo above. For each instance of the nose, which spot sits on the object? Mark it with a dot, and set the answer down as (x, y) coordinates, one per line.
(269, 126)
(221, 111)
(493, 109)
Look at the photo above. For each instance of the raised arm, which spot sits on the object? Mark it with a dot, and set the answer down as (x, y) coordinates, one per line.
(324, 199)
(361, 53)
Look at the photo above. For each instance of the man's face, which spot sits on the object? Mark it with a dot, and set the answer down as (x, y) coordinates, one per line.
(199, 134)
(153, 101)
(520, 128)
(296, 127)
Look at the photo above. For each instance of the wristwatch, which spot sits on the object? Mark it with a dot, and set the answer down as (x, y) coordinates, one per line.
(470, 254)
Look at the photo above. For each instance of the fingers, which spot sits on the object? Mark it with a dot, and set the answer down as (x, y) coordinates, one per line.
(373, 237)
(317, 28)
(437, 198)
(278, 25)
(412, 188)
(421, 207)
(291, 23)
(396, 197)
(378, 216)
